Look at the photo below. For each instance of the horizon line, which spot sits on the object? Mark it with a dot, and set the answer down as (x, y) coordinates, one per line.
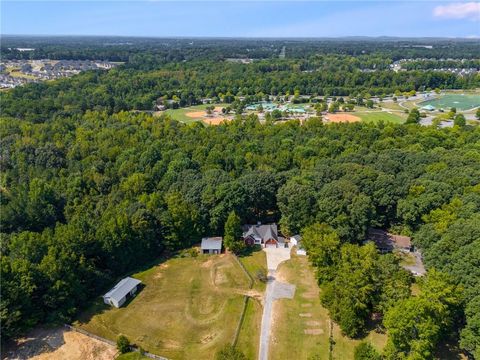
(393, 37)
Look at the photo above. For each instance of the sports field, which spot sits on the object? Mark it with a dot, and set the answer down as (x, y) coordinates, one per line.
(197, 113)
(460, 101)
(342, 117)
(380, 116)
(188, 308)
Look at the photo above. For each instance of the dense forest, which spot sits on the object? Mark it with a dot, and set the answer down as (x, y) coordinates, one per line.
(90, 192)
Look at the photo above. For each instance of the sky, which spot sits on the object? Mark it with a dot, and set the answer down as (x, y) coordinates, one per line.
(158, 18)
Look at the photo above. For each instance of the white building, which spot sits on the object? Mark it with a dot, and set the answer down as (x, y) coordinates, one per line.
(212, 245)
(295, 240)
(120, 292)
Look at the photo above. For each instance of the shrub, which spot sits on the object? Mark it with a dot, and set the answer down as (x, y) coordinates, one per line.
(261, 275)
(230, 353)
(365, 351)
(123, 344)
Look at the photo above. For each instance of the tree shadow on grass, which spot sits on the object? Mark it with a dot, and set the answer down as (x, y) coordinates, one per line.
(249, 250)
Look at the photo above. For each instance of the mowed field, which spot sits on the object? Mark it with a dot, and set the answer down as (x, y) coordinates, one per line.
(197, 113)
(192, 113)
(374, 116)
(301, 326)
(188, 308)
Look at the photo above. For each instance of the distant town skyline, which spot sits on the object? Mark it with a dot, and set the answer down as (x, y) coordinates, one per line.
(243, 19)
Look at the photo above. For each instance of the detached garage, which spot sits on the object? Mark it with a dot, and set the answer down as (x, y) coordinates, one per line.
(120, 292)
(211, 245)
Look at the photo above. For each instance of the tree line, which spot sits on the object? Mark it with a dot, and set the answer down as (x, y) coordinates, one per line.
(185, 84)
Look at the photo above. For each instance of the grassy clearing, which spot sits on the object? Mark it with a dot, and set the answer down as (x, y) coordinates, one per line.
(391, 106)
(188, 306)
(248, 339)
(303, 312)
(344, 347)
(254, 262)
(407, 259)
(18, 74)
(301, 325)
(379, 116)
(180, 114)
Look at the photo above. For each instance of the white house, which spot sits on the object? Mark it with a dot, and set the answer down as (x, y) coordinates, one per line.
(120, 292)
(212, 245)
(295, 240)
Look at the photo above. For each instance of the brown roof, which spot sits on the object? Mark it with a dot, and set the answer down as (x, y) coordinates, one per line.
(386, 241)
(401, 241)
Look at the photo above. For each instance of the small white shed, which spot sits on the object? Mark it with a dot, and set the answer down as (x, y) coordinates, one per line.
(212, 245)
(119, 293)
(295, 240)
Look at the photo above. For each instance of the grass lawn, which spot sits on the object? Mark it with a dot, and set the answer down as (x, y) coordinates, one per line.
(391, 105)
(293, 316)
(180, 114)
(17, 73)
(301, 325)
(254, 262)
(248, 339)
(189, 308)
(378, 116)
(132, 356)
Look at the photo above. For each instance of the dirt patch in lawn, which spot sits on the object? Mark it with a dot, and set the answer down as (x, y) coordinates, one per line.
(310, 294)
(305, 315)
(313, 331)
(337, 118)
(313, 323)
(215, 120)
(207, 338)
(196, 114)
(207, 264)
(59, 344)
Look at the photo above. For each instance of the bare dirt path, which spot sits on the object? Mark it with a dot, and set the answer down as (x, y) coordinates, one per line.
(275, 290)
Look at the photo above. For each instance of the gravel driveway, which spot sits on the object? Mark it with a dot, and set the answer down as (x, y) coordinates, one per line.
(275, 290)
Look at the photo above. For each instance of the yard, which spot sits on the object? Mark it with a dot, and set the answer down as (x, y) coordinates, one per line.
(301, 326)
(188, 306)
(248, 339)
(254, 262)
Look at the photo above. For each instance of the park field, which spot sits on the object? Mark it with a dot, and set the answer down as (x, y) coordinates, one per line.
(375, 116)
(301, 327)
(188, 308)
(185, 114)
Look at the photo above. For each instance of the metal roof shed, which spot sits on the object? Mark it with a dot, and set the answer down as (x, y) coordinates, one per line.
(118, 295)
(212, 245)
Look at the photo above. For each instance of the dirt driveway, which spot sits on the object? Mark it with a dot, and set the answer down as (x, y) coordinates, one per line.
(275, 290)
(276, 255)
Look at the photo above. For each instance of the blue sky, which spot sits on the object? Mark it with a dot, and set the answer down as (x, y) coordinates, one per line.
(246, 19)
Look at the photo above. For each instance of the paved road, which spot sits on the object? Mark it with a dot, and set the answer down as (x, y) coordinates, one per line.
(275, 290)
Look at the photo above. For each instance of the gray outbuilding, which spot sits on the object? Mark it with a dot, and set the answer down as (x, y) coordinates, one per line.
(120, 292)
(212, 245)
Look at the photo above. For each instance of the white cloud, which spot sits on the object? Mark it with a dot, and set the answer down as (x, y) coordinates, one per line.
(466, 10)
